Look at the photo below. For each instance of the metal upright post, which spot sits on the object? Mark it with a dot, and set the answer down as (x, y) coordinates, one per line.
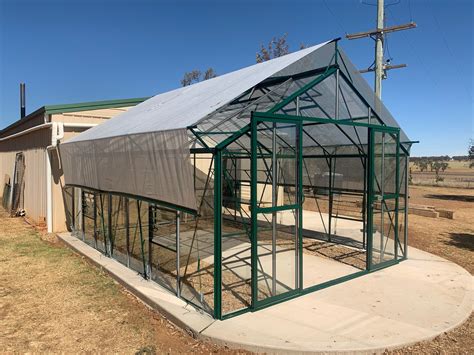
(142, 242)
(218, 235)
(151, 225)
(127, 229)
(330, 199)
(370, 199)
(83, 225)
(298, 198)
(382, 192)
(364, 207)
(95, 219)
(337, 96)
(253, 202)
(405, 242)
(73, 210)
(274, 204)
(178, 252)
(110, 244)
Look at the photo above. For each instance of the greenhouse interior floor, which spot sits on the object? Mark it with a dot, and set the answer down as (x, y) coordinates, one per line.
(413, 301)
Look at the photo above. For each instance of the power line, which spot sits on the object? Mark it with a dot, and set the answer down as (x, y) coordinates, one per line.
(335, 17)
(379, 35)
(409, 9)
(445, 42)
(415, 53)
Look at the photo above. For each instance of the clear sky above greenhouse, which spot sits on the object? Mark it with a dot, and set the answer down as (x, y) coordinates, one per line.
(95, 50)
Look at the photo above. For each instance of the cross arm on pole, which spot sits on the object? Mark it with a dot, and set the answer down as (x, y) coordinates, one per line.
(389, 29)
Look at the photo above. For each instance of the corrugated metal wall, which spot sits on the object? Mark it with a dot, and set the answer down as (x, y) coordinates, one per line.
(32, 146)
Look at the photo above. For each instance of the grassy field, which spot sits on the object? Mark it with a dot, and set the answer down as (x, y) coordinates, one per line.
(52, 300)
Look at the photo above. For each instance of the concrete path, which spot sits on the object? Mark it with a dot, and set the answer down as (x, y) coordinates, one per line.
(410, 302)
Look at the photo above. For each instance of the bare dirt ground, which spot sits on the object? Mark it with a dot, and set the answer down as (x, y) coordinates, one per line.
(52, 300)
(452, 240)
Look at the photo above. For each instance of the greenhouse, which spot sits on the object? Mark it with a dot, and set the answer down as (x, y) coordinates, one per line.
(248, 189)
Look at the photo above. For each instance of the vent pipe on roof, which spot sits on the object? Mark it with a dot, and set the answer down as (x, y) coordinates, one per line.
(22, 101)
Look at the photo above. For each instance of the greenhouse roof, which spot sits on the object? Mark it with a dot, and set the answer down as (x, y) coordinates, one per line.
(145, 150)
(186, 106)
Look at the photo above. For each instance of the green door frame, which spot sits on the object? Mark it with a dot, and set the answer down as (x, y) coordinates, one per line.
(255, 210)
(300, 290)
(373, 196)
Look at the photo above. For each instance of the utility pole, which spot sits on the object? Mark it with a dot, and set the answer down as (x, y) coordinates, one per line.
(379, 50)
(380, 67)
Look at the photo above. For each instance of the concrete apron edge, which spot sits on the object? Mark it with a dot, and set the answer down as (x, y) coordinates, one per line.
(281, 350)
(259, 348)
(137, 293)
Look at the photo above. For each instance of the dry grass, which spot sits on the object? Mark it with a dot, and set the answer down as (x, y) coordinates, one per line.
(51, 300)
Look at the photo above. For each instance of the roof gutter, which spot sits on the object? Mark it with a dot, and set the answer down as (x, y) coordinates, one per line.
(26, 131)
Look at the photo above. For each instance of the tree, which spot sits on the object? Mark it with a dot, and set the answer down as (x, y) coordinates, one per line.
(209, 74)
(431, 165)
(191, 77)
(277, 47)
(422, 165)
(437, 166)
(471, 153)
(196, 76)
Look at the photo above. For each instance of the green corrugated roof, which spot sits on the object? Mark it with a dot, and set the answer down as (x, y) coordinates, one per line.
(75, 107)
(93, 105)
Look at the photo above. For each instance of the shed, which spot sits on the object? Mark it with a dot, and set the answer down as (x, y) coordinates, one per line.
(31, 173)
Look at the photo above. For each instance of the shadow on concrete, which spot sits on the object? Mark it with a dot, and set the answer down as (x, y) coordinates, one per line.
(462, 240)
(462, 198)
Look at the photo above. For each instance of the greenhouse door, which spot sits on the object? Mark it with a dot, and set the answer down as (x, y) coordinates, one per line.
(276, 196)
(383, 197)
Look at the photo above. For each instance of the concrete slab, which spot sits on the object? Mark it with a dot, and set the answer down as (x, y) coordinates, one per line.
(401, 305)
(404, 304)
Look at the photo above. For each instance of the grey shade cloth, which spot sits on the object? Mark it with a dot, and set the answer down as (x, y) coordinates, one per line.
(145, 150)
(185, 106)
(153, 165)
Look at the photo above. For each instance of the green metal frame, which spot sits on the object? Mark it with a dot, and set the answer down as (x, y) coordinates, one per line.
(278, 113)
(256, 119)
(252, 128)
(395, 132)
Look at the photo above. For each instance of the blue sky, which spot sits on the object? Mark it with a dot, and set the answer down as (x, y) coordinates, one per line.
(72, 51)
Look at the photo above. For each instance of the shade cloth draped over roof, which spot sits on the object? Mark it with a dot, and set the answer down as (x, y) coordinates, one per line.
(145, 150)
